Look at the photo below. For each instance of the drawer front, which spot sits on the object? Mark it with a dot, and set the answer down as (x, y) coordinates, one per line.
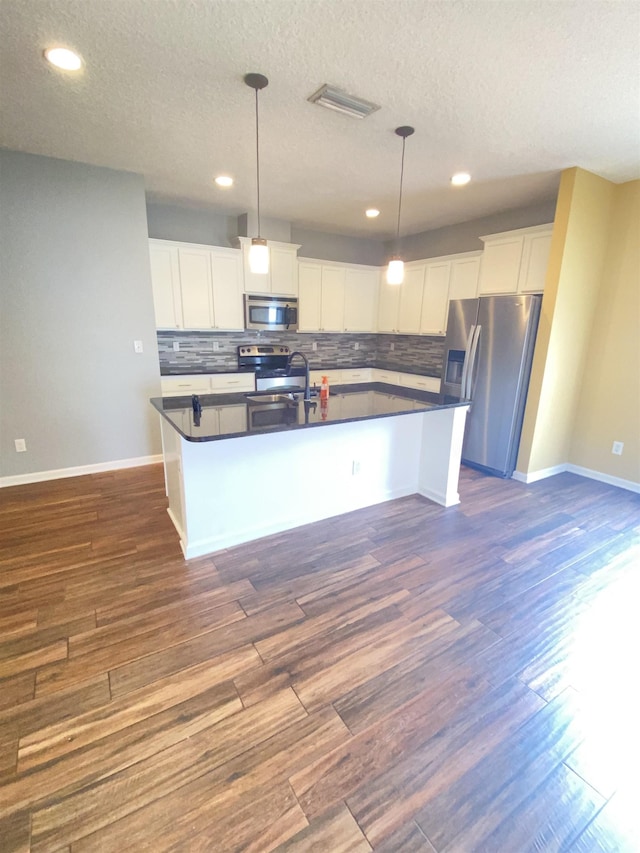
(422, 383)
(181, 385)
(333, 376)
(388, 376)
(362, 374)
(228, 383)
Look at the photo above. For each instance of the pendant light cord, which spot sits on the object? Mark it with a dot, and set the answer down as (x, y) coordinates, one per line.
(258, 162)
(400, 196)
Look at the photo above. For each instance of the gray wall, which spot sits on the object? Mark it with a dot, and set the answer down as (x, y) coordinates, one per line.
(338, 247)
(464, 237)
(190, 225)
(75, 292)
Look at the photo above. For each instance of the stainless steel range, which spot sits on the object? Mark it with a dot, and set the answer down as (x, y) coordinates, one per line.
(269, 362)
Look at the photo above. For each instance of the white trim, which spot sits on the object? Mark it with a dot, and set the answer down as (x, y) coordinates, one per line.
(534, 476)
(516, 232)
(542, 474)
(439, 498)
(604, 478)
(78, 471)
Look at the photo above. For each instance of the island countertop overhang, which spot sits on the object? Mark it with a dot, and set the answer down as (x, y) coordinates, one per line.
(346, 404)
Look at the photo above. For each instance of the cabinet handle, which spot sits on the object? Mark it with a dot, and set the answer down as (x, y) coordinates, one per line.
(233, 382)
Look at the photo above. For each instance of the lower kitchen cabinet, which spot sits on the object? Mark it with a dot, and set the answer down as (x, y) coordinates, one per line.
(230, 383)
(422, 383)
(212, 383)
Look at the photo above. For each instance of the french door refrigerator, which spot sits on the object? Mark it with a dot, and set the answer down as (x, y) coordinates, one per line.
(487, 360)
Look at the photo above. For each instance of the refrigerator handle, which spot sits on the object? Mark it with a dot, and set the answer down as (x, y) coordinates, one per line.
(472, 361)
(465, 366)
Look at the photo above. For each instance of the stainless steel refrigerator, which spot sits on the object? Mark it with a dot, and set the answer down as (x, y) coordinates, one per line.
(487, 360)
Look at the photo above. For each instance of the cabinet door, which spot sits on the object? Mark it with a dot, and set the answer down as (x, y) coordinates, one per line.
(233, 419)
(165, 282)
(310, 287)
(226, 276)
(360, 300)
(500, 265)
(388, 305)
(332, 308)
(195, 287)
(463, 283)
(411, 300)
(284, 271)
(535, 259)
(433, 320)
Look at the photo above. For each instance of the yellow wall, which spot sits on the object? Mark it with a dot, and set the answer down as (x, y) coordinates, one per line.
(574, 274)
(580, 399)
(609, 403)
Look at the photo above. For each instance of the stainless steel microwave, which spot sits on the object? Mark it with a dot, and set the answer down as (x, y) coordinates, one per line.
(270, 313)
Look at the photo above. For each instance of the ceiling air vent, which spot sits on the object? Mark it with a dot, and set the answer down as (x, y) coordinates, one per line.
(341, 102)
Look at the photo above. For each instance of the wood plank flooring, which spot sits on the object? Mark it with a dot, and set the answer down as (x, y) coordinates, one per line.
(403, 678)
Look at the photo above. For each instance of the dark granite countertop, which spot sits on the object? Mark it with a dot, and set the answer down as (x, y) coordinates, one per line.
(232, 415)
(382, 365)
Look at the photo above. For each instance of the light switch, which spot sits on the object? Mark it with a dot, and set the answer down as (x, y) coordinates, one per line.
(137, 346)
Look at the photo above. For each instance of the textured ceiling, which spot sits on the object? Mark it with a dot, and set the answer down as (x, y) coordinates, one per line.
(512, 91)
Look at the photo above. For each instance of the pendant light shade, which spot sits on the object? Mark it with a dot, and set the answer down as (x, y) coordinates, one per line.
(259, 251)
(395, 270)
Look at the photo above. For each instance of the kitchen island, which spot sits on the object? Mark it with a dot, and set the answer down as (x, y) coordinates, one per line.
(238, 468)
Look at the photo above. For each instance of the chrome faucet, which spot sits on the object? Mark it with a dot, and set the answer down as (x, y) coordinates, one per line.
(307, 382)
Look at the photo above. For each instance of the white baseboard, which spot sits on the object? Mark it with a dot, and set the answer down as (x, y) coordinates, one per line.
(442, 499)
(534, 476)
(80, 470)
(542, 474)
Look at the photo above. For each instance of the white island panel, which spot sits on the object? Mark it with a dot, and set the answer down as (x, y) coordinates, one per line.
(225, 492)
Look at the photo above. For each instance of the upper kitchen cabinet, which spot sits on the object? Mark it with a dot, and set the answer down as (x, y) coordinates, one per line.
(282, 278)
(515, 261)
(388, 305)
(360, 299)
(435, 300)
(196, 287)
(165, 281)
(336, 297)
(411, 296)
(465, 272)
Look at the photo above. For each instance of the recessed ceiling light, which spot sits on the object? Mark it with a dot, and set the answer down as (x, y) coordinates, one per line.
(460, 179)
(224, 181)
(63, 58)
(372, 213)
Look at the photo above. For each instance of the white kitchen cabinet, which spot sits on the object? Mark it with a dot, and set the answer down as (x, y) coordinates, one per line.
(233, 418)
(351, 376)
(390, 377)
(334, 377)
(196, 287)
(360, 300)
(213, 383)
(282, 278)
(388, 305)
(421, 383)
(332, 303)
(435, 300)
(535, 260)
(463, 281)
(501, 266)
(180, 386)
(411, 296)
(165, 282)
(231, 383)
(310, 287)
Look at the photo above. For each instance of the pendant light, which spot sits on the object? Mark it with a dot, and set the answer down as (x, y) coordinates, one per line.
(259, 251)
(395, 270)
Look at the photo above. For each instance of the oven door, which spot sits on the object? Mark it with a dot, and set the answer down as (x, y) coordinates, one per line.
(271, 313)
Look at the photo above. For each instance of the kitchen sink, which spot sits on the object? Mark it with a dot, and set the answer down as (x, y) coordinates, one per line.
(272, 398)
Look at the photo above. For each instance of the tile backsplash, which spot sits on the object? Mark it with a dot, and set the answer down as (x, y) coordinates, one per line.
(202, 352)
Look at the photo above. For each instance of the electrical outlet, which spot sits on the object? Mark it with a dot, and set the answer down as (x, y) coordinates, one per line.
(137, 346)
(176, 346)
(314, 346)
(355, 467)
(618, 447)
(21, 445)
(216, 346)
(392, 346)
(356, 345)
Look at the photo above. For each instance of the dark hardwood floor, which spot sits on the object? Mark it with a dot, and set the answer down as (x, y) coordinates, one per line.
(402, 678)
